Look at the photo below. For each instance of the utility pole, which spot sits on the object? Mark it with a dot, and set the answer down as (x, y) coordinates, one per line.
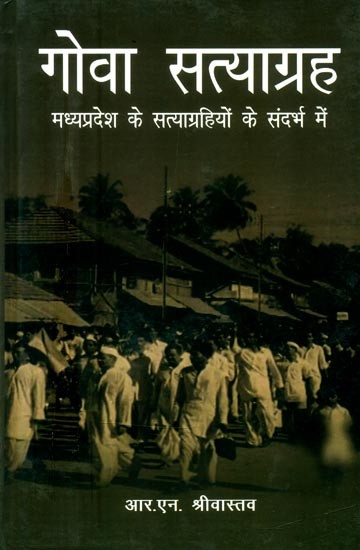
(164, 246)
(260, 267)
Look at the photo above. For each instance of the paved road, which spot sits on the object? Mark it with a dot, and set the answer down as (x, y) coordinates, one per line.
(295, 509)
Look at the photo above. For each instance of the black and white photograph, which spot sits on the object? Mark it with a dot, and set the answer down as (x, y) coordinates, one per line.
(180, 274)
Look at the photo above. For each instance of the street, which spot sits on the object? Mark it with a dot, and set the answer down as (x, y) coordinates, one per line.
(294, 507)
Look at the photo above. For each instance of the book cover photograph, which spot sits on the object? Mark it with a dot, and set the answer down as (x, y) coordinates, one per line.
(181, 275)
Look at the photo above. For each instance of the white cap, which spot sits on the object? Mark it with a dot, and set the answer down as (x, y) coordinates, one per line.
(295, 346)
(107, 350)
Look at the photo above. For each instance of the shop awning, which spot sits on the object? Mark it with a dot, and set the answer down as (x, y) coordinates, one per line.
(311, 313)
(155, 300)
(266, 310)
(27, 303)
(18, 310)
(197, 305)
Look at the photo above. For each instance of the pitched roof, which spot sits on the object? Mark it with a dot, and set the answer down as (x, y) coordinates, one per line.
(243, 267)
(132, 244)
(153, 299)
(240, 264)
(196, 304)
(25, 302)
(267, 310)
(34, 311)
(44, 226)
(17, 288)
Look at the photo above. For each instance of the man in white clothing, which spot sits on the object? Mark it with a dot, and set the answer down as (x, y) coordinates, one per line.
(109, 416)
(167, 381)
(314, 355)
(256, 366)
(142, 379)
(202, 396)
(298, 387)
(24, 406)
(223, 359)
(154, 349)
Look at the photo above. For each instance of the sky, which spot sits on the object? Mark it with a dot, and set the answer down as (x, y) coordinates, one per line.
(307, 176)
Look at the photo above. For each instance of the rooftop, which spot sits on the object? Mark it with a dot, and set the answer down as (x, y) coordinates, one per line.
(130, 242)
(45, 226)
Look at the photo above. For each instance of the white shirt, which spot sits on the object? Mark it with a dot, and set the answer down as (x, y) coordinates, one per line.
(315, 356)
(25, 399)
(115, 397)
(254, 368)
(206, 400)
(295, 373)
(223, 363)
(155, 350)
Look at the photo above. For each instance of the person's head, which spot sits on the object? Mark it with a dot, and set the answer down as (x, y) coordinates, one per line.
(139, 344)
(253, 341)
(324, 338)
(19, 335)
(20, 353)
(309, 338)
(152, 334)
(293, 350)
(70, 332)
(107, 340)
(329, 397)
(173, 354)
(90, 345)
(200, 353)
(338, 346)
(107, 357)
(220, 342)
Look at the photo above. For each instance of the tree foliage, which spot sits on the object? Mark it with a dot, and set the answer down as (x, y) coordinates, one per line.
(199, 214)
(227, 204)
(183, 216)
(103, 200)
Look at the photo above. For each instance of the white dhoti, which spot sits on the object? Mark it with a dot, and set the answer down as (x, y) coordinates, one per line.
(316, 381)
(234, 397)
(15, 453)
(259, 419)
(206, 406)
(255, 393)
(113, 453)
(199, 451)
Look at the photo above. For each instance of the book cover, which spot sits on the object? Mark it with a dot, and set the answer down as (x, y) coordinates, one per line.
(175, 171)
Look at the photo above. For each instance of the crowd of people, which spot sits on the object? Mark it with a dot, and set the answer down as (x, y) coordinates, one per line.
(190, 389)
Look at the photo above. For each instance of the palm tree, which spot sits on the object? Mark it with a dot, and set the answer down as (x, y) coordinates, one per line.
(227, 205)
(103, 200)
(183, 216)
(187, 212)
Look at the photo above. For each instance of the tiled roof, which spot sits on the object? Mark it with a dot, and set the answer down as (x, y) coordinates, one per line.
(132, 244)
(153, 299)
(45, 226)
(240, 264)
(243, 267)
(25, 302)
(17, 288)
(197, 305)
(40, 311)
